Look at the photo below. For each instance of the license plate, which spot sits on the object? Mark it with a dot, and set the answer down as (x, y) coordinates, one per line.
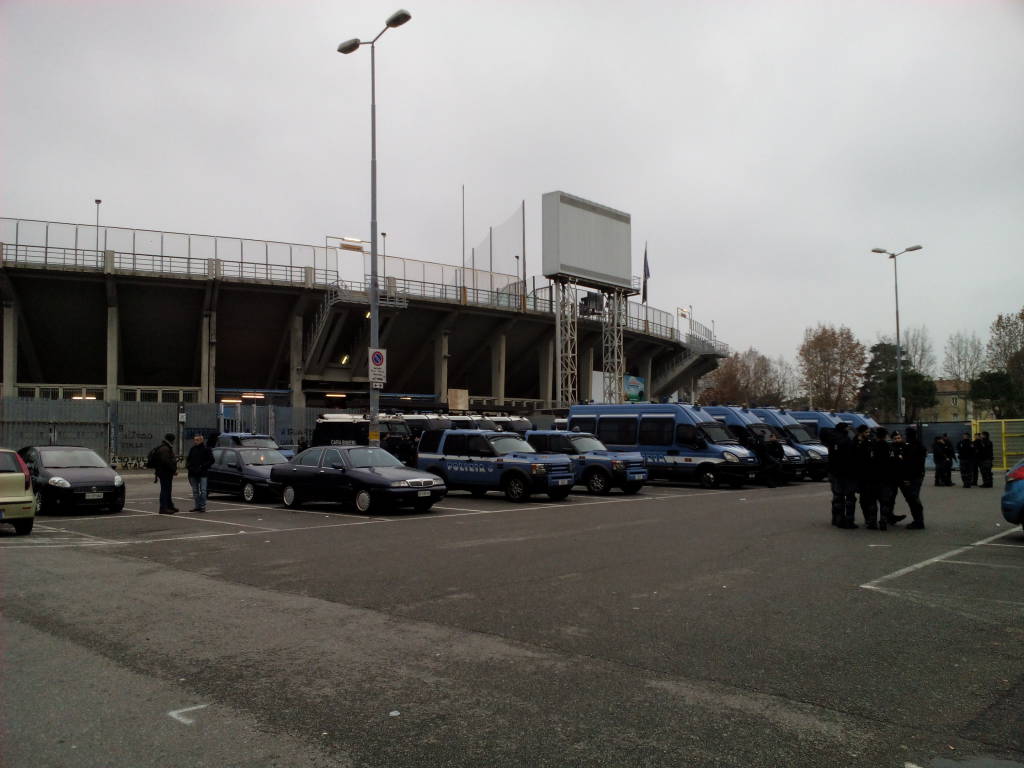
(422, 493)
(751, 475)
(96, 495)
(562, 482)
(638, 476)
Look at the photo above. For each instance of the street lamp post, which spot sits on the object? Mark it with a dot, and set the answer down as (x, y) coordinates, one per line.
(899, 350)
(98, 201)
(397, 19)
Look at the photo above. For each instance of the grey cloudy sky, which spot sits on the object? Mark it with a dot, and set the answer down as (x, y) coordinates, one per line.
(762, 148)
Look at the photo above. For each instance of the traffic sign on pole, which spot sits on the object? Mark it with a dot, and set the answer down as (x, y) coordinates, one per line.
(378, 364)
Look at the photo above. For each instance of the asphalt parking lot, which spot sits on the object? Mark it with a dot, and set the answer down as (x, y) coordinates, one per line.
(679, 627)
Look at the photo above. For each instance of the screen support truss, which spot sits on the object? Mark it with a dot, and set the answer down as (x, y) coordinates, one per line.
(566, 330)
(613, 354)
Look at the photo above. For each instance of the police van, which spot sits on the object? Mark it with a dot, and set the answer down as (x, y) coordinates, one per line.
(796, 435)
(856, 419)
(819, 424)
(353, 429)
(593, 464)
(751, 430)
(678, 441)
(479, 460)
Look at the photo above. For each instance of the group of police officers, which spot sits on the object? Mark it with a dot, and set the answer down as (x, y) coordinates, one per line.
(877, 467)
(975, 457)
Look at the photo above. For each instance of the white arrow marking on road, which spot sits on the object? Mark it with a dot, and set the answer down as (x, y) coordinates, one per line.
(176, 713)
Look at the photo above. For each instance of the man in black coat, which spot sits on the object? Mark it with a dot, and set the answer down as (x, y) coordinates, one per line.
(198, 463)
(869, 463)
(985, 457)
(912, 461)
(890, 458)
(943, 460)
(840, 477)
(165, 465)
(965, 452)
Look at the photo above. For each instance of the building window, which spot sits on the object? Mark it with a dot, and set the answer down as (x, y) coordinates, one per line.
(26, 392)
(954, 399)
(129, 395)
(149, 395)
(170, 395)
(190, 396)
(49, 393)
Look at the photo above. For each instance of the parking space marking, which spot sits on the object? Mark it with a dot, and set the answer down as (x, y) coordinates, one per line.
(983, 565)
(930, 561)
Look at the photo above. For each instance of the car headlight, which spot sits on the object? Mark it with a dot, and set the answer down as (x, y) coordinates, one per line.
(438, 481)
(118, 481)
(537, 469)
(618, 465)
(730, 456)
(400, 484)
(815, 455)
(60, 482)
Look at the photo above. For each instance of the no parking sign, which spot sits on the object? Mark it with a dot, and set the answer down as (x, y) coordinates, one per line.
(378, 365)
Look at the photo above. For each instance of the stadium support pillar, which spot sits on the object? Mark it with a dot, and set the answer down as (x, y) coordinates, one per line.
(647, 374)
(498, 368)
(441, 365)
(208, 355)
(113, 351)
(546, 350)
(10, 388)
(296, 364)
(586, 375)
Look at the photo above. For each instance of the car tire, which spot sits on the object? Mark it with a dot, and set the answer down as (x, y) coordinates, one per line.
(477, 493)
(707, 477)
(249, 493)
(363, 501)
(290, 497)
(422, 506)
(116, 507)
(630, 488)
(598, 482)
(560, 495)
(23, 525)
(516, 488)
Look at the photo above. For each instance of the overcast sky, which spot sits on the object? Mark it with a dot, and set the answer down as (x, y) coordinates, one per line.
(762, 148)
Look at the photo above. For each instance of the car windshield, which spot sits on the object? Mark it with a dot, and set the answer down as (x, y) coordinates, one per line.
(397, 428)
(801, 435)
(255, 457)
(716, 433)
(68, 458)
(761, 430)
(510, 444)
(257, 442)
(584, 443)
(372, 457)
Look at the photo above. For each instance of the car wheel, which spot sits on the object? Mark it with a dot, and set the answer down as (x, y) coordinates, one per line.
(116, 507)
(23, 526)
(598, 482)
(423, 506)
(477, 493)
(708, 478)
(248, 493)
(363, 501)
(515, 488)
(290, 497)
(630, 488)
(560, 495)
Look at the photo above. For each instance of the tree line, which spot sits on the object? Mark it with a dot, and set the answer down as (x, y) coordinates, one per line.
(836, 371)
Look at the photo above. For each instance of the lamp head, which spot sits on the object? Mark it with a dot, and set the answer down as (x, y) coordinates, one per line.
(398, 18)
(915, 248)
(98, 202)
(349, 46)
(879, 250)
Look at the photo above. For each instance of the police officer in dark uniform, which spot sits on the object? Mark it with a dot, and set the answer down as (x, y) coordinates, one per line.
(943, 462)
(966, 454)
(840, 477)
(868, 468)
(772, 457)
(890, 458)
(913, 455)
(985, 457)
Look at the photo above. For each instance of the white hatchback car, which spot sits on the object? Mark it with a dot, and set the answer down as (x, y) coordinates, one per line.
(17, 502)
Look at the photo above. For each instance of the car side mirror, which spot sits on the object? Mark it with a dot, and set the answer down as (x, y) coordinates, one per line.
(113, 466)
(233, 465)
(339, 467)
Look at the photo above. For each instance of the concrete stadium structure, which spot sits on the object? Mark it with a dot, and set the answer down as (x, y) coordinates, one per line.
(128, 314)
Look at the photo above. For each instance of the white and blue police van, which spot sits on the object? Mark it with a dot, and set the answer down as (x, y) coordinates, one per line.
(752, 431)
(796, 435)
(480, 460)
(593, 464)
(820, 424)
(678, 441)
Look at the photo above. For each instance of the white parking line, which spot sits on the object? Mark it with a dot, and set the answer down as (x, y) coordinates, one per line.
(983, 565)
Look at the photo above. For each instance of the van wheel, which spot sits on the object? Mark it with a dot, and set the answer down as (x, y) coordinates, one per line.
(560, 495)
(598, 482)
(248, 493)
(515, 488)
(290, 497)
(708, 478)
(630, 488)
(23, 526)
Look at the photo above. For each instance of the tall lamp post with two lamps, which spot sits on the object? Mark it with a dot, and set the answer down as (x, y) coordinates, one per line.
(899, 350)
(397, 19)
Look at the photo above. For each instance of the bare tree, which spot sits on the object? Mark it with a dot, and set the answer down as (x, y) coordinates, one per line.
(749, 377)
(831, 366)
(1006, 338)
(918, 352)
(965, 357)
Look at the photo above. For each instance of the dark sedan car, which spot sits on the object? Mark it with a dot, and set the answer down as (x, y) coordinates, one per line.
(243, 472)
(363, 477)
(66, 477)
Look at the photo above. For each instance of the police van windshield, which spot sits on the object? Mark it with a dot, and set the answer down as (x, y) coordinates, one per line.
(716, 433)
(761, 430)
(584, 443)
(510, 444)
(801, 435)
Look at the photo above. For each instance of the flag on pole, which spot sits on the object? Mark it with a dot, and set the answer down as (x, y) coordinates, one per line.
(647, 273)
(684, 312)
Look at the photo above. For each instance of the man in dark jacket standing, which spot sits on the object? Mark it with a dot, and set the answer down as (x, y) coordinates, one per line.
(870, 457)
(165, 464)
(942, 453)
(840, 477)
(912, 476)
(965, 452)
(985, 457)
(198, 463)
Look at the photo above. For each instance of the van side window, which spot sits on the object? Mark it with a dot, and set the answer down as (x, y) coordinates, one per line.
(656, 431)
(585, 423)
(686, 434)
(429, 441)
(455, 445)
(619, 430)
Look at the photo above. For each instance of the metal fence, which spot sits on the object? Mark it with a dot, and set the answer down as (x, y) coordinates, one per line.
(1007, 437)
